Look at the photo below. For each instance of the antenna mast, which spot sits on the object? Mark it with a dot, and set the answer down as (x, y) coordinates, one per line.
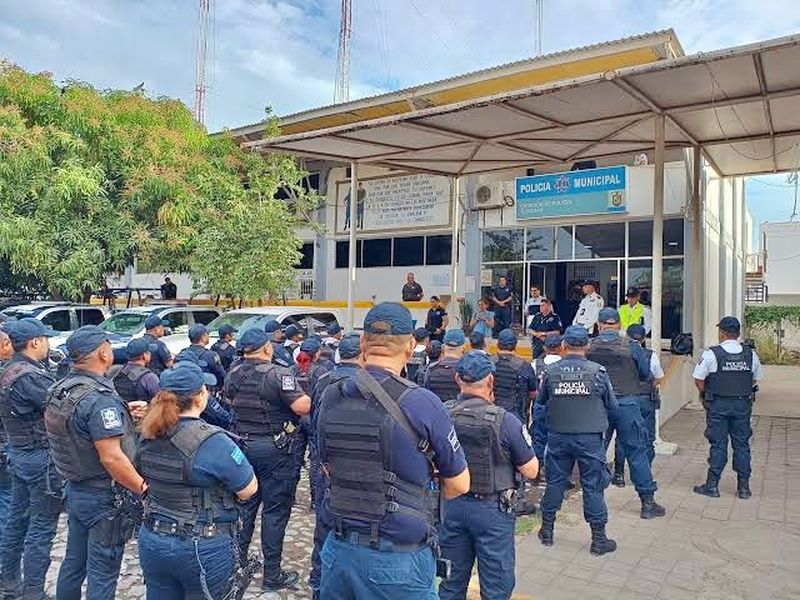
(341, 92)
(538, 27)
(203, 30)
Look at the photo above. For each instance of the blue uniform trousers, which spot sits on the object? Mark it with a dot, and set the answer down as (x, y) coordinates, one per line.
(32, 519)
(176, 568)
(539, 430)
(91, 553)
(278, 472)
(563, 451)
(478, 529)
(648, 410)
(351, 571)
(630, 426)
(729, 418)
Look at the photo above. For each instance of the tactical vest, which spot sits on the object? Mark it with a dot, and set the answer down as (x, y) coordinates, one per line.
(418, 360)
(615, 355)
(440, 378)
(508, 384)
(22, 430)
(478, 425)
(358, 435)
(126, 382)
(734, 375)
(166, 464)
(75, 456)
(255, 417)
(575, 404)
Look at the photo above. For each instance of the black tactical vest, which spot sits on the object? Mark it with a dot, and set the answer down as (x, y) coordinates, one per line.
(166, 464)
(440, 378)
(256, 415)
(357, 435)
(615, 355)
(508, 388)
(478, 425)
(126, 382)
(75, 456)
(575, 404)
(734, 375)
(22, 430)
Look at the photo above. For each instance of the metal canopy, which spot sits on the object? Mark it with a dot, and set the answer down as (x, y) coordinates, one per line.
(740, 105)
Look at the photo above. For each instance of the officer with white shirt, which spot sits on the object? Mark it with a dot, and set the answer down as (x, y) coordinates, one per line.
(589, 308)
(726, 376)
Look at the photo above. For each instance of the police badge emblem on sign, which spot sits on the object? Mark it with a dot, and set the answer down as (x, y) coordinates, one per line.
(110, 418)
(288, 383)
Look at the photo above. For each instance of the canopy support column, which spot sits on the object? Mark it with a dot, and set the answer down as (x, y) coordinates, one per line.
(351, 258)
(456, 220)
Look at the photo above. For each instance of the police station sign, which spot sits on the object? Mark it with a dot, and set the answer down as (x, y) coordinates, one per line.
(587, 192)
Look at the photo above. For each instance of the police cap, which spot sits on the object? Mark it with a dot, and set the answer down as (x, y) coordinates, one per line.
(576, 336)
(454, 338)
(154, 321)
(389, 318)
(85, 340)
(609, 316)
(27, 329)
(185, 379)
(420, 333)
(730, 325)
(137, 347)
(253, 340)
(350, 346)
(474, 366)
(637, 332)
(507, 340)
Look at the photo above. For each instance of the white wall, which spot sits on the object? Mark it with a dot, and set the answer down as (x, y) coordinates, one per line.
(783, 258)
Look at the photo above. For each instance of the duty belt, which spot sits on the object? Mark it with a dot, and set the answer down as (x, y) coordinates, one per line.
(202, 530)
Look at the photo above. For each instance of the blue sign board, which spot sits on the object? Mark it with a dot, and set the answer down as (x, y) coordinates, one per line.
(587, 192)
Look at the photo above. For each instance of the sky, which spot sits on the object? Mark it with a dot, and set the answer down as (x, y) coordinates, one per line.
(282, 53)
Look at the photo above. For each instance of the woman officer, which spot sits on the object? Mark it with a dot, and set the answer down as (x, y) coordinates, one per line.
(194, 472)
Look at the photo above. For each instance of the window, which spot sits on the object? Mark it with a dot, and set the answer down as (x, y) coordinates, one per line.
(60, 320)
(673, 237)
(90, 316)
(204, 316)
(342, 251)
(307, 260)
(602, 240)
(378, 252)
(409, 251)
(640, 238)
(541, 243)
(178, 322)
(564, 243)
(439, 249)
(503, 245)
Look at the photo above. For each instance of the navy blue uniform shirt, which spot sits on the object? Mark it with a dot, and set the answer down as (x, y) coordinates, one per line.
(575, 361)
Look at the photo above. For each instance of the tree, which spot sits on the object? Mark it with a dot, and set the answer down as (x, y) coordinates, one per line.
(91, 179)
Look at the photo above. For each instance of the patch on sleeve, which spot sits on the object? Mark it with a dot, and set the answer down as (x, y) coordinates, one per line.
(453, 439)
(111, 418)
(288, 383)
(237, 455)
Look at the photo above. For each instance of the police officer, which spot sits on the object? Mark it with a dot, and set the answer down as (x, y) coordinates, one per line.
(135, 382)
(92, 441)
(577, 396)
(726, 376)
(207, 360)
(195, 472)
(382, 502)
(419, 357)
(267, 404)
(224, 346)
(477, 342)
(545, 322)
(280, 355)
(440, 377)
(589, 308)
(294, 336)
(160, 358)
(514, 381)
(37, 489)
(552, 354)
(480, 524)
(634, 312)
(350, 354)
(627, 367)
(330, 345)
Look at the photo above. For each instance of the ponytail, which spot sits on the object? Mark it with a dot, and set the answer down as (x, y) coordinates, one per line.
(163, 414)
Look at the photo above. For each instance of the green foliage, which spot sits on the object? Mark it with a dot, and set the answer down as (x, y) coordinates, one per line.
(89, 180)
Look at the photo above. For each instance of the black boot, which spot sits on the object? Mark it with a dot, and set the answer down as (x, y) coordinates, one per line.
(546, 530)
(650, 508)
(280, 580)
(600, 543)
(710, 488)
(618, 479)
(743, 488)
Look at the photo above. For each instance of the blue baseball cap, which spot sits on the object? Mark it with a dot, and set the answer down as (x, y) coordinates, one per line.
(477, 338)
(474, 366)
(185, 379)
(226, 330)
(292, 331)
(333, 328)
(552, 341)
(389, 318)
(730, 325)
(420, 333)
(454, 338)
(154, 321)
(272, 326)
(196, 332)
(26, 329)
(85, 340)
(310, 346)
(252, 340)
(350, 346)
(637, 332)
(609, 316)
(575, 336)
(507, 340)
(137, 347)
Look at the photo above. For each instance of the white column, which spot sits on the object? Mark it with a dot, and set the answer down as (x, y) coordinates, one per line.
(351, 259)
(456, 218)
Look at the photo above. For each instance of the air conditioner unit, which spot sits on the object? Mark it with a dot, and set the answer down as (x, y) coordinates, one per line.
(493, 195)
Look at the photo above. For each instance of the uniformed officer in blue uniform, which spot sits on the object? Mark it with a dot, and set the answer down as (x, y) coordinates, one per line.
(93, 443)
(195, 473)
(6, 351)
(135, 382)
(726, 377)
(37, 489)
(160, 358)
(280, 355)
(480, 524)
(350, 362)
(206, 359)
(628, 367)
(382, 500)
(224, 346)
(440, 376)
(577, 396)
(267, 403)
(514, 381)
